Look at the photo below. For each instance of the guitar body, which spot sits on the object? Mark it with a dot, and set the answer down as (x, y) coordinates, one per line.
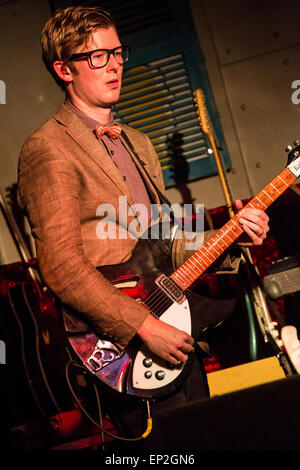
(137, 372)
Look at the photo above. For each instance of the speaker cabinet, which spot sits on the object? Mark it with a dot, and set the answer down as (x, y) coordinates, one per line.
(263, 417)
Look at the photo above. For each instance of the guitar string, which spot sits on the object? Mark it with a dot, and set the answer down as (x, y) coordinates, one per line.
(161, 301)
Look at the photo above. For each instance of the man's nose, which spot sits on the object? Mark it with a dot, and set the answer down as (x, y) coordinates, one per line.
(112, 63)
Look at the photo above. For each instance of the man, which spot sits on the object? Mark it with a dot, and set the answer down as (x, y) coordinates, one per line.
(67, 170)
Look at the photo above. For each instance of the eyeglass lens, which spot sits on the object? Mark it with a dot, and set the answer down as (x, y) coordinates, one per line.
(100, 58)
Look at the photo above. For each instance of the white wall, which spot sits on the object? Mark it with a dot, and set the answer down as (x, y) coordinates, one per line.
(31, 97)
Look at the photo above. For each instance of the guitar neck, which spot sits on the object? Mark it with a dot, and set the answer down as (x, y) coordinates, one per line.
(203, 258)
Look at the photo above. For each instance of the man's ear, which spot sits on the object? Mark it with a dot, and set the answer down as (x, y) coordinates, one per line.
(63, 71)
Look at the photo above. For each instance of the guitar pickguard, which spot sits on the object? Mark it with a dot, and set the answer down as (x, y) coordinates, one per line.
(150, 372)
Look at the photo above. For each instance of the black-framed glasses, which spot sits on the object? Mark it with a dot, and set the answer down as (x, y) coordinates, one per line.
(99, 58)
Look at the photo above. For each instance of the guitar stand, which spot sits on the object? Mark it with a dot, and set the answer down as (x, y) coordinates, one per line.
(267, 326)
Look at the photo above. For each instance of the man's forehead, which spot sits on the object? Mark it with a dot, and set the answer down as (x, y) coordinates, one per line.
(99, 39)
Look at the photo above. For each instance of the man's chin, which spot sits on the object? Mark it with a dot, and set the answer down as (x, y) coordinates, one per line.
(108, 104)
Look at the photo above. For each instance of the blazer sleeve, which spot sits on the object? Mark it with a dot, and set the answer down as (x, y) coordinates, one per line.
(49, 192)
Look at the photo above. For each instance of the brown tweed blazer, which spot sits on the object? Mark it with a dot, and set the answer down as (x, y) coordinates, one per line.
(64, 175)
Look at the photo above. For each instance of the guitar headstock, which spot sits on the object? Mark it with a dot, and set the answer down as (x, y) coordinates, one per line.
(294, 158)
(202, 113)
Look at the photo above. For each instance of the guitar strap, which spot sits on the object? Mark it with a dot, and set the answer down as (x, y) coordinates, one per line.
(163, 199)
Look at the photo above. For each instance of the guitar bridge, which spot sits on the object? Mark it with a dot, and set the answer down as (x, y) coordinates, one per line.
(170, 288)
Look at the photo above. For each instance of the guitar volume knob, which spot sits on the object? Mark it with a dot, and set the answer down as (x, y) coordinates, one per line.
(147, 362)
(160, 375)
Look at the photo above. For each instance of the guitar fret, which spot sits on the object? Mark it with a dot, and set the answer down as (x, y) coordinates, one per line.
(186, 277)
(221, 240)
(198, 264)
(205, 256)
(208, 251)
(181, 282)
(202, 250)
(212, 247)
(271, 184)
(282, 180)
(253, 202)
(268, 195)
(192, 268)
(234, 233)
(201, 259)
(239, 229)
(217, 245)
(261, 202)
(226, 235)
(185, 274)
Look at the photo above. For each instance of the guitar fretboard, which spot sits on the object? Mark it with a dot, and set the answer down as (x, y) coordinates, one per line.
(203, 258)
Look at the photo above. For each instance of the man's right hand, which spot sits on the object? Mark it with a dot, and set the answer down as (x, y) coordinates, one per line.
(165, 340)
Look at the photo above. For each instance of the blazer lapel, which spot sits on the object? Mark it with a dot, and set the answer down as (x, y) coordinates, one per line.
(91, 146)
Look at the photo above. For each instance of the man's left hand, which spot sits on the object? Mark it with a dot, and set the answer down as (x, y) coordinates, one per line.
(254, 222)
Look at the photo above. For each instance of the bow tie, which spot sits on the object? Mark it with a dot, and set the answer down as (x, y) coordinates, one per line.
(112, 131)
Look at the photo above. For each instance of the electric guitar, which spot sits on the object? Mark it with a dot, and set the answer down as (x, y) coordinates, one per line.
(148, 276)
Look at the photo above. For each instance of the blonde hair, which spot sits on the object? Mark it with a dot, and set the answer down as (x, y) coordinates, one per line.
(67, 29)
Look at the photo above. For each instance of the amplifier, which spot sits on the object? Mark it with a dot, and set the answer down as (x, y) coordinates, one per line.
(283, 277)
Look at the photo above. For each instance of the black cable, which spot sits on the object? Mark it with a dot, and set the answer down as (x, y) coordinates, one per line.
(37, 347)
(115, 436)
(100, 415)
(27, 374)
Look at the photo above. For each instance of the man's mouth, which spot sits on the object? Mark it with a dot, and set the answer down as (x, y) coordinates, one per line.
(113, 83)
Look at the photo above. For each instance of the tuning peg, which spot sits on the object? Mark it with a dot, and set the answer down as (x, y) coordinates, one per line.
(289, 148)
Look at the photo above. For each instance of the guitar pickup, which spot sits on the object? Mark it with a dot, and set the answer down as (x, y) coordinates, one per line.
(170, 288)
